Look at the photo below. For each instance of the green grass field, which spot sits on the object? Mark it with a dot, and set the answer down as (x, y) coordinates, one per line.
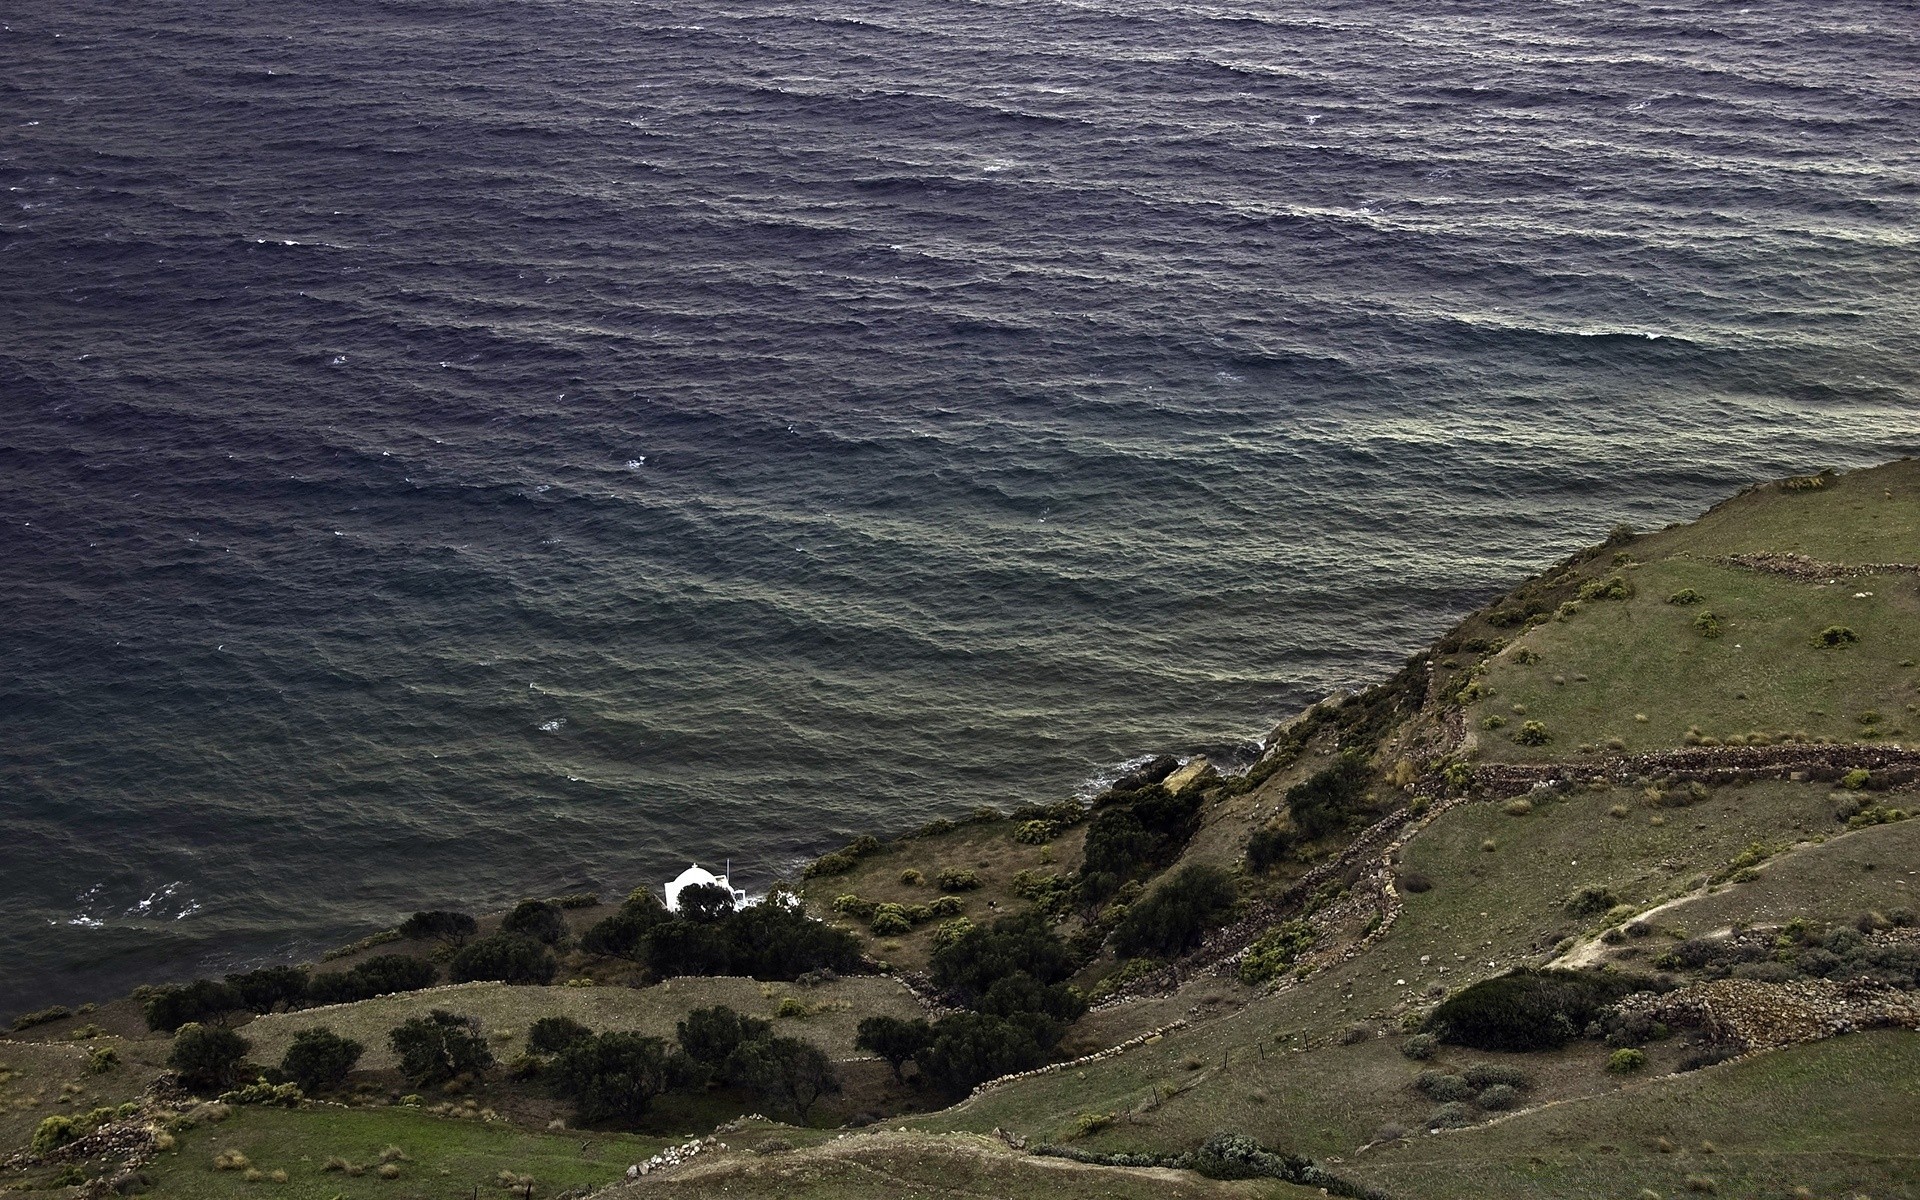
(1840, 1117)
(1590, 678)
(508, 1011)
(1868, 516)
(446, 1158)
(43, 1079)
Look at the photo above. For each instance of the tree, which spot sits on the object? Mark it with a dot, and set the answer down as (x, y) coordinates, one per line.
(705, 902)
(970, 1048)
(972, 962)
(611, 1077)
(551, 1035)
(208, 1058)
(264, 990)
(453, 928)
(378, 976)
(540, 920)
(1328, 801)
(505, 957)
(788, 1069)
(438, 1047)
(319, 1059)
(1173, 917)
(173, 1005)
(711, 1035)
(893, 1039)
(624, 934)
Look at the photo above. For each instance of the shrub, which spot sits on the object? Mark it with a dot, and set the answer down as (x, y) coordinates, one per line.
(264, 990)
(890, 920)
(893, 1039)
(1835, 635)
(1856, 779)
(957, 879)
(102, 1059)
(1707, 625)
(503, 957)
(1268, 845)
(709, 1036)
(836, 863)
(438, 1047)
(611, 1076)
(624, 934)
(944, 906)
(540, 920)
(318, 1060)
(170, 1006)
(1613, 587)
(1176, 915)
(1331, 800)
(1442, 1085)
(1452, 1115)
(1519, 806)
(1499, 1098)
(1625, 1062)
(208, 1058)
(912, 878)
(1685, 596)
(1036, 833)
(1590, 901)
(950, 932)
(1420, 1047)
(983, 955)
(1527, 1010)
(55, 1132)
(968, 1049)
(766, 941)
(1533, 733)
(1482, 1075)
(389, 973)
(453, 928)
(56, 1012)
(551, 1035)
(1274, 951)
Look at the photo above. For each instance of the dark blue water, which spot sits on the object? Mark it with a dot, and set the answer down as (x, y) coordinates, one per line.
(461, 450)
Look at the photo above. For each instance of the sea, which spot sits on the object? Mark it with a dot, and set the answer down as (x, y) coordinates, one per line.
(460, 450)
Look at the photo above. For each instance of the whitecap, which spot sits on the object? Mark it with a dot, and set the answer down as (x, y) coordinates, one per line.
(552, 726)
(634, 464)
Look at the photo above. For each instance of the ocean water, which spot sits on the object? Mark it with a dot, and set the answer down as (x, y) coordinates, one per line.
(455, 450)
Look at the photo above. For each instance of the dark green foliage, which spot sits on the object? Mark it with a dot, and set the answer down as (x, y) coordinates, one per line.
(709, 1036)
(438, 1047)
(266, 989)
(1836, 635)
(540, 920)
(1528, 1010)
(1173, 917)
(377, 976)
(1268, 845)
(1332, 800)
(507, 957)
(894, 1039)
(784, 1069)
(319, 1059)
(612, 1076)
(1134, 833)
(977, 959)
(624, 934)
(1443, 1086)
(551, 1035)
(208, 1058)
(453, 928)
(173, 1005)
(766, 941)
(1590, 902)
(1420, 1047)
(970, 1048)
(705, 903)
(1483, 1075)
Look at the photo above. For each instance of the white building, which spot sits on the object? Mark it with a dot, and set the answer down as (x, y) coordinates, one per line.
(698, 874)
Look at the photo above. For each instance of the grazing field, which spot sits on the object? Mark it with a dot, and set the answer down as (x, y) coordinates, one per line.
(1839, 1117)
(44, 1079)
(505, 1012)
(439, 1158)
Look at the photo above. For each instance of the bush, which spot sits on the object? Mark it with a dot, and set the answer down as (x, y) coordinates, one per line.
(766, 941)
(438, 1047)
(318, 1060)
(612, 1076)
(912, 878)
(944, 906)
(1685, 596)
(453, 928)
(968, 1049)
(1331, 800)
(551, 1035)
(1442, 1085)
(503, 957)
(890, 920)
(55, 1132)
(957, 879)
(540, 920)
(1527, 1010)
(1706, 624)
(1856, 779)
(1268, 845)
(709, 1036)
(624, 934)
(1420, 1047)
(208, 1058)
(1173, 917)
(1499, 1098)
(1614, 587)
(981, 956)
(893, 1039)
(1275, 951)
(836, 863)
(55, 1012)
(1590, 901)
(1452, 1115)
(170, 1006)
(1533, 733)
(1036, 833)
(1484, 1075)
(1836, 635)
(266, 989)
